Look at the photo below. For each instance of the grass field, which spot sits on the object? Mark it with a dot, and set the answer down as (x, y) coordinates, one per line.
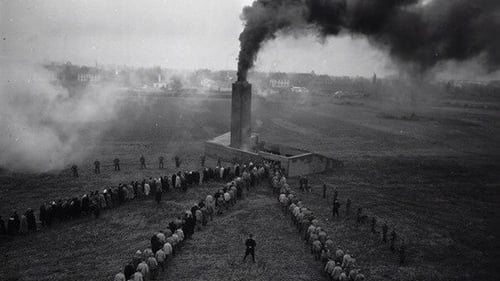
(434, 178)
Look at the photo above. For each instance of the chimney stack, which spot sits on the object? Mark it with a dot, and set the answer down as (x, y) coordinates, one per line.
(241, 129)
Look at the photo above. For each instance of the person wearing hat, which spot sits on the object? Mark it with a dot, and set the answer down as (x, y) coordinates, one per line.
(250, 247)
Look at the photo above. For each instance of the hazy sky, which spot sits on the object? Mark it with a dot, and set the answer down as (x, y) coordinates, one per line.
(184, 34)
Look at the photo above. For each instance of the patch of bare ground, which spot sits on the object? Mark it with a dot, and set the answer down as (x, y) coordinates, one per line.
(217, 253)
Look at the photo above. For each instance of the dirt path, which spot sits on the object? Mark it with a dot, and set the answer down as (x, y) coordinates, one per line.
(216, 253)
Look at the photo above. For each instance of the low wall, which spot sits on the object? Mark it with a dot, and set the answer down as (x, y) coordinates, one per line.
(310, 163)
(228, 154)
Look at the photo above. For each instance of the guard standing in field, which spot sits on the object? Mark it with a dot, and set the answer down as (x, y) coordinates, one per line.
(116, 162)
(97, 167)
(402, 253)
(160, 162)
(393, 240)
(143, 162)
(3, 229)
(374, 223)
(384, 232)
(250, 244)
(177, 161)
(74, 170)
(336, 207)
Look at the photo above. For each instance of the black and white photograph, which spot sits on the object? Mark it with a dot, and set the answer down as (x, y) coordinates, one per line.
(241, 140)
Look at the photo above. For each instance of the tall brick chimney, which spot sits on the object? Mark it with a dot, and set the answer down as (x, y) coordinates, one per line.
(241, 129)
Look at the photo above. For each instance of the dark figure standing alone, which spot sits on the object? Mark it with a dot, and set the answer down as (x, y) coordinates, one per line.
(177, 161)
(74, 169)
(384, 232)
(393, 240)
(160, 162)
(143, 162)
(250, 244)
(116, 161)
(336, 207)
(324, 191)
(97, 167)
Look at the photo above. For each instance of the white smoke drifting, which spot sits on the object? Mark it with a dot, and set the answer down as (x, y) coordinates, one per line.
(42, 126)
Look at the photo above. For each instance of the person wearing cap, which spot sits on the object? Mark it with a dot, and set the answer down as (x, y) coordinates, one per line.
(250, 247)
(136, 260)
(161, 257)
(120, 277)
(129, 271)
(143, 268)
(153, 267)
(167, 249)
(329, 267)
(337, 270)
(137, 276)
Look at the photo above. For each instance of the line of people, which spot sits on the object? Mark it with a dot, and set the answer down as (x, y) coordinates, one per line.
(338, 265)
(93, 203)
(142, 161)
(165, 244)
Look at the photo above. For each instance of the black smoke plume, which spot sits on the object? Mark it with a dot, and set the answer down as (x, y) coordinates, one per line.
(418, 32)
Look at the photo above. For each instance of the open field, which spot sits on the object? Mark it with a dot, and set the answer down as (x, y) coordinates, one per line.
(434, 177)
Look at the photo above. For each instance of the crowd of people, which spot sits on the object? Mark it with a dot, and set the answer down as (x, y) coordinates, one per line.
(93, 203)
(147, 264)
(338, 265)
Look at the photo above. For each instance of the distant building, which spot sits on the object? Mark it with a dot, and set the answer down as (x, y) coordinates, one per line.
(279, 81)
(160, 84)
(89, 77)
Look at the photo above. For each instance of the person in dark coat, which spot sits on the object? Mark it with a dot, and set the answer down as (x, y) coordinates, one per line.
(143, 162)
(174, 176)
(97, 167)
(158, 195)
(116, 163)
(129, 271)
(250, 245)
(74, 170)
(172, 226)
(85, 204)
(30, 217)
(13, 224)
(160, 162)
(43, 214)
(177, 160)
(3, 229)
(155, 243)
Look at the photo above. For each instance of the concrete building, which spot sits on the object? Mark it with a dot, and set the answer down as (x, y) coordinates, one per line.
(241, 145)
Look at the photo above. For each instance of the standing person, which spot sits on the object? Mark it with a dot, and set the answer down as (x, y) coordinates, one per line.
(393, 240)
(335, 209)
(116, 162)
(324, 191)
(384, 232)
(306, 185)
(3, 229)
(143, 162)
(74, 170)
(202, 160)
(97, 167)
(30, 215)
(177, 161)
(374, 224)
(158, 195)
(402, 253)
(250, 247)
(160, 162)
